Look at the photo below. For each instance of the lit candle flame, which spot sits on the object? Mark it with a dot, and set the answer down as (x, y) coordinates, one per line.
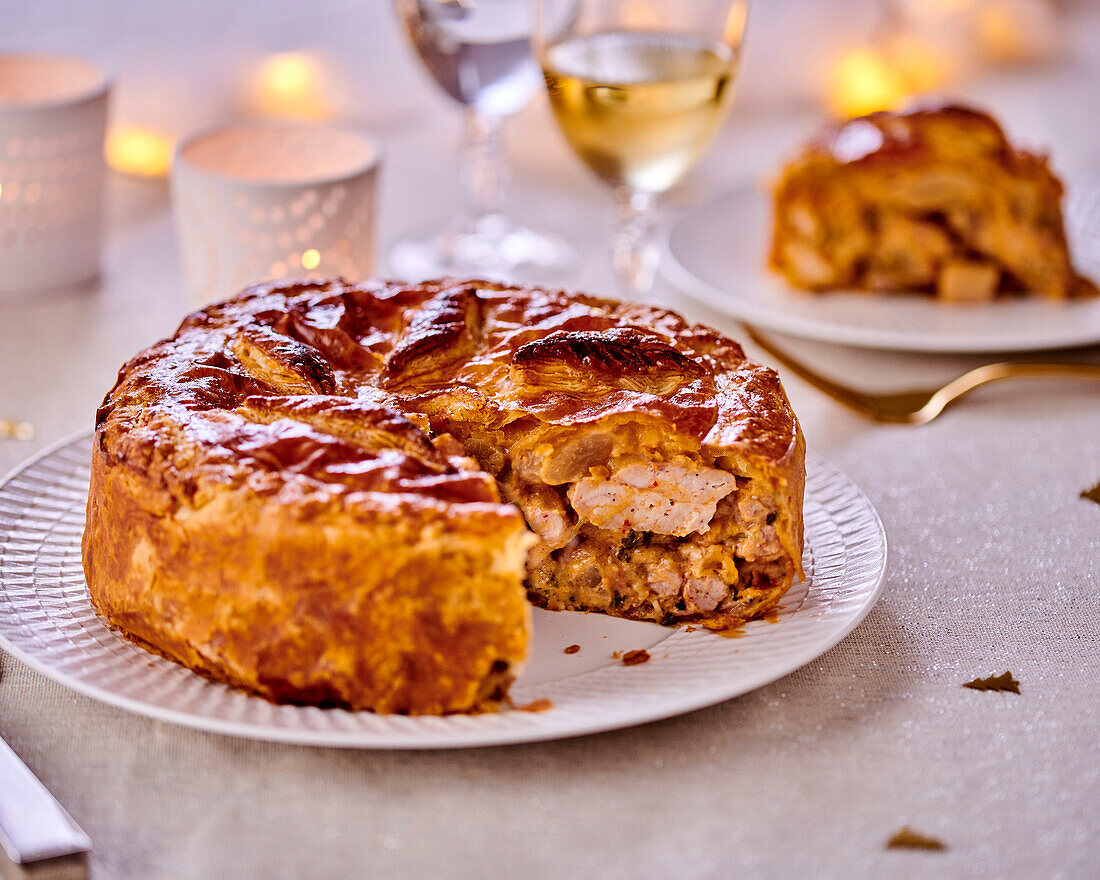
(864, 81)
(291, 84)
(1016, 30)
(139, 151)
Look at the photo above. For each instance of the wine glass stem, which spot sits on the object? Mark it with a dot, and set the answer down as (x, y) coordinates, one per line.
(634, 248)
(483, 172)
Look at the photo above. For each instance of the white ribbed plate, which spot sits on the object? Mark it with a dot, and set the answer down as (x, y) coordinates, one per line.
(716, 254)
(47, 622)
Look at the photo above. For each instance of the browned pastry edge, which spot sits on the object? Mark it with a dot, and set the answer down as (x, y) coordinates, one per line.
(903, 136)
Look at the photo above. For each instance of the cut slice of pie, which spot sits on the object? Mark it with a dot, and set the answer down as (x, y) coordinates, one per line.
(934, 200)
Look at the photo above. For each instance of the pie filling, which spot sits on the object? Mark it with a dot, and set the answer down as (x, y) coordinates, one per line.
(959, 253)
(661, 534)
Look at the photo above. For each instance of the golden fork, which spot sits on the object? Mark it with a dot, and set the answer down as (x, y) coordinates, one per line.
(920, 406)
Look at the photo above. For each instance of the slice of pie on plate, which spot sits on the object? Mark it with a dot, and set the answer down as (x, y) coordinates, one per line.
(934, 199)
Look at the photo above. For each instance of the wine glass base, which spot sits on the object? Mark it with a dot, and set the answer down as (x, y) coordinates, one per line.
(491, 247)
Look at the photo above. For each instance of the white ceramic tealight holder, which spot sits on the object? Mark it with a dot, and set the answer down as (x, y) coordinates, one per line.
(263, 200)
(53, 116)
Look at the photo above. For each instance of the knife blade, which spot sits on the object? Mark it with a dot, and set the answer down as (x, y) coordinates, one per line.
(38, 839)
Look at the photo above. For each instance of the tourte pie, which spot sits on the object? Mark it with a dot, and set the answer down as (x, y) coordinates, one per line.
(345, 495)
(934, 200)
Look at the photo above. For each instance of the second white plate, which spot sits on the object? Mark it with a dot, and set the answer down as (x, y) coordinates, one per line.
(716, 255)
(47, 622)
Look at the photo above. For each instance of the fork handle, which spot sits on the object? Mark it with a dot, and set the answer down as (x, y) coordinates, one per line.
(998, 372)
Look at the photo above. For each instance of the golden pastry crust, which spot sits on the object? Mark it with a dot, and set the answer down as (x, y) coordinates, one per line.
(933, 199)
(299, 493)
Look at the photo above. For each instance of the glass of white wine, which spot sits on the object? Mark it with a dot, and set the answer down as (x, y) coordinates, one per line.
(479, 52)
(639, 88)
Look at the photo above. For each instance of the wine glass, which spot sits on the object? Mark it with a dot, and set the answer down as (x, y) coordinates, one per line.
(639, 89)
(479, 52)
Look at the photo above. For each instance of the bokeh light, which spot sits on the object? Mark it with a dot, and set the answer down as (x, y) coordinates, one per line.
(291, 84)
(862, 81)
(138, 151)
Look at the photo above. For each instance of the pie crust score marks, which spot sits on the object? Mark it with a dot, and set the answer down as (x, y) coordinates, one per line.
(343, 494)
(934, 199)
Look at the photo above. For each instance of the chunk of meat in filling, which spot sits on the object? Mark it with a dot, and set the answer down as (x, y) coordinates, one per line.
(664, 577)
(731, 564)
(545, 512)
(704, 593)
(761, 538)
(666, 498)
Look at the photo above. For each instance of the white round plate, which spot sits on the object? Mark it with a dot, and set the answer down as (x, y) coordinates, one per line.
(47, 622)
(716, 255)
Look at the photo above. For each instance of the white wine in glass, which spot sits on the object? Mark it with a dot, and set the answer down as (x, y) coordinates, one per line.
(479, 52)
(639, 89)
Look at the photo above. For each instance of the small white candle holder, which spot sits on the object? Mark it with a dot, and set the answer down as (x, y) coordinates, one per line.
(53, 116)
(262, 200)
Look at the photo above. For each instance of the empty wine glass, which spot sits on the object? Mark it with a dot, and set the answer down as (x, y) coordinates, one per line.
(479, 52)
(639, 88)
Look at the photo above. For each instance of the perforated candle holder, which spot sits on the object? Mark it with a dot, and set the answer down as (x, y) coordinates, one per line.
(266, 200)
(53, 115)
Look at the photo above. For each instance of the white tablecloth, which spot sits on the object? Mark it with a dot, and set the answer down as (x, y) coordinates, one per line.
(994, 562)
